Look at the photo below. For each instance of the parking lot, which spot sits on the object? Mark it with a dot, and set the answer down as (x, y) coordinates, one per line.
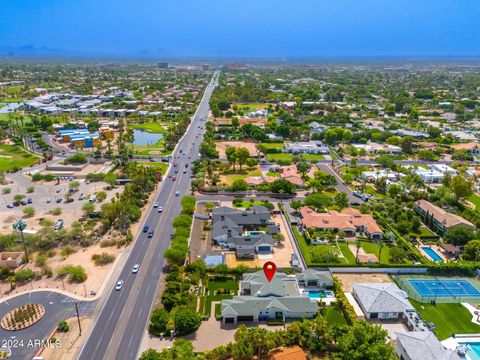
(44, 200)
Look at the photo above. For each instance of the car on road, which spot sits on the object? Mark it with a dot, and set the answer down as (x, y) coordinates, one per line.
(145, 228)
(49, 200)
(150, 234)
(135, 269)
(177, 193)
(176, 171)
(119, 285)
(10, 206)
(81, 197)
(58, 225)
(174, 164)
(355, 203)
(174, 177)
(160, 209)
(58, 190)
(184, 171)
(155, 205)
(186, 165)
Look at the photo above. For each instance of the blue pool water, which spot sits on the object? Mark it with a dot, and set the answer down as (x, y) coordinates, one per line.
(432, 253)
(144, 138)
(319, 294)
(474, 351)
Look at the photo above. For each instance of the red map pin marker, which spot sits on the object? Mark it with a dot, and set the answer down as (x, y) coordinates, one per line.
(269, 269)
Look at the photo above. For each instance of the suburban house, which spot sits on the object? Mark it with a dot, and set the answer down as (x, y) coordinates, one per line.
(316, 128)
(284, 297)
(429, 176)
(416, 134)
(310, 147)
(422, 345)
(372, 176)
(438, 219)
(247, 232)
(374, 148)
(381, 300)
(473, 147)
(350, 221)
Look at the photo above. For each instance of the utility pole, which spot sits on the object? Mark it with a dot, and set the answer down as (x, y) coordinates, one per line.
(78, 318)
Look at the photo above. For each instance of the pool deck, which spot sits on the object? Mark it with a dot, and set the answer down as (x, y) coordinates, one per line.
(453, 342)
(473, 309)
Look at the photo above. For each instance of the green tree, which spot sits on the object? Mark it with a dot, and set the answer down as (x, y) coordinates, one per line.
(461, 186)
(111, 179)
(239, 185)
(88, 208)
(150, 354)
(341, 200)
(158, 322)
(303, 168)
(231, 154)
(282, 186)
(186, 321)
(472, 250)
(242, 155)
(459, 235)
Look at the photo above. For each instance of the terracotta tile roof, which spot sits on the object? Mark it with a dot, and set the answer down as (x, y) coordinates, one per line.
(290, 353)
(446, 218)
(466, 146)
(347, 219)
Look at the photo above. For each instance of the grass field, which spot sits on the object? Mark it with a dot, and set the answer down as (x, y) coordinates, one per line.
(214, 285)
(11, 100)
(13, 156)
(374, 248)
(273, 174)
(448, 318)
(346, 252)
(251, 107)
(289, 157)
(273, 145)
(475, 199)
(158, 166)
(334, 316)
(229, 178)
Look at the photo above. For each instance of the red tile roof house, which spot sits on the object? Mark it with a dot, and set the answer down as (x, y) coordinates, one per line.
(473, 147)
(291, 174)
(349, 220)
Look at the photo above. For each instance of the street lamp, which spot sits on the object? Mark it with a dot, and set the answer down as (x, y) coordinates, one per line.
(20, 225)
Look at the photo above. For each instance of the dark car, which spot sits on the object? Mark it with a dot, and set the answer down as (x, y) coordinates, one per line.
(145, 228)
(29, 200)
(150, 234)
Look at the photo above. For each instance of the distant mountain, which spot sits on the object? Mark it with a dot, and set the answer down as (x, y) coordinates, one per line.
(28, 51)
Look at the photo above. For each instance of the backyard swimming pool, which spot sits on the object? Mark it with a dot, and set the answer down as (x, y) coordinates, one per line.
(319, 294)
(432, 254)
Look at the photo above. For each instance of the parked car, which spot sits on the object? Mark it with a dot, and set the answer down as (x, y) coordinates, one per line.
(81, 197)
(58, 200)
(58, 225)
(119, 285)
(49, 200)
(23, 202)
(69, 200)
(92, 199)
(135, 269)
(29, 200)
(10, 206)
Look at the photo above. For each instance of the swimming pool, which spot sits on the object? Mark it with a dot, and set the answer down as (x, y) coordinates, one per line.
(319, 294)
(432, 254)
(473, 350)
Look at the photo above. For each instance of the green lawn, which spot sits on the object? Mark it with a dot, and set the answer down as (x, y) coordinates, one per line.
(273, 174)
(214, 285)
(246, 204)
(289, 157)
(273, 145)
(158, 166)
(475, 199)
(11, 100)
(374, 248)
(231, 176)
(251, 107)
(448, 318)
(334, 316)
(13, 156)
(346, 252)
(153, 127)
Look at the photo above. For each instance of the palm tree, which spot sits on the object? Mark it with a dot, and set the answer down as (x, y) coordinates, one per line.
(20, 225)
(358, 245)
(381, 245)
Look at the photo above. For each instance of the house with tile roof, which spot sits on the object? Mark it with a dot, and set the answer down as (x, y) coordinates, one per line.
(247, 232)
(422, 345)
(349, 220)
(283, 297)
(381, 300)
(438, 219)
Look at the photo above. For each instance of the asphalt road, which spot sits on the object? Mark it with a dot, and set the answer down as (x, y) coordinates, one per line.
(57, 307)
(341, 186)
(118, 329)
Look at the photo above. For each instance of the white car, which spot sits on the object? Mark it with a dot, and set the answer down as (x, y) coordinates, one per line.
(119, 285)
(177, 193)
(160, 209)
(155, 204)
(135, 269)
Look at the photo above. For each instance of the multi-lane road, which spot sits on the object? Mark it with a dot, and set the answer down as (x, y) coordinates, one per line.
(123, 316)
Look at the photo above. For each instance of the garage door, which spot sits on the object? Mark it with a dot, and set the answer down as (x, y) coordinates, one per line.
(245, 318)
(229, 320)
(264, 248)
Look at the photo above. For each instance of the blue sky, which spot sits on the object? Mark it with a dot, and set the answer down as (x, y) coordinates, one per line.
(246, 28)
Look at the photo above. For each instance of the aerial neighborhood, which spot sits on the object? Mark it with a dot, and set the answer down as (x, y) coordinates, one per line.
(144, 205)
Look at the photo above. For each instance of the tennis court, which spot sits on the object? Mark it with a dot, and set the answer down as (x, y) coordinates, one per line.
(439, 288)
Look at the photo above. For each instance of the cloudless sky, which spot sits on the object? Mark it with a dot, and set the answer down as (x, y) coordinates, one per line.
(250, 28)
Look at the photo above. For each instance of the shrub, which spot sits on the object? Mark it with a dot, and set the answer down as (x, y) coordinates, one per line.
(186, 321)
(57, 211)
(67, 250)
(103, 259)
(76, 273)
(30, 189)
(6, 191)
(24, 275)
(29, 211)
(77, 159)
(63, 326)
(158, 322)
(101, 195)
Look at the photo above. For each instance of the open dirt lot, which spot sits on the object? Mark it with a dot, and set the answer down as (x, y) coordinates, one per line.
(349, 279)
(221, 146)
